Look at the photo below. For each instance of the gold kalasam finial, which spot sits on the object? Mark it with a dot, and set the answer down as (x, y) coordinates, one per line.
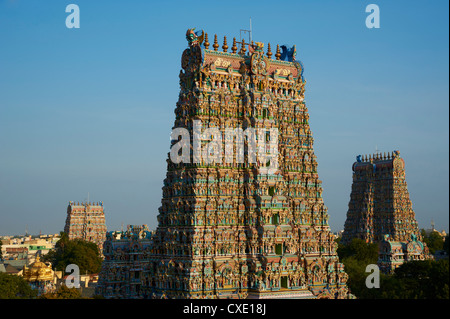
(269, 52)
(234, 47)
(225, 46)
(215, 45)
(243, 49)
(278, 54)
(206, 41)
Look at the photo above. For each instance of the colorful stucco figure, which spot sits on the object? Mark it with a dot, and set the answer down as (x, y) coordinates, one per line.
(194, 38)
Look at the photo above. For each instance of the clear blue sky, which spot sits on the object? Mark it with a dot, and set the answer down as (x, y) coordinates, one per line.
(90, 110)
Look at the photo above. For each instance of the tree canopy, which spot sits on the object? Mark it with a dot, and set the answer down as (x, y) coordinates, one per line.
(433, 240)
(423, 279)
(82, 253)
(63, 292)
(15, 287)
(356, 256)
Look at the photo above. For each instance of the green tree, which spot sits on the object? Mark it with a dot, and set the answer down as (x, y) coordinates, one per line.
(424, 279)
(360, 250)
(433, 240)
(355, 256)
(82, 253)
(15, 287)
(63, 292)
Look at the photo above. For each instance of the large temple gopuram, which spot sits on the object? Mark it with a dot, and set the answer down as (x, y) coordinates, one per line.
(380, 210)
(237, 229)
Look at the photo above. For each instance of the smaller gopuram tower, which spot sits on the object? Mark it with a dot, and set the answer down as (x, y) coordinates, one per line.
(126, 265)
(380, 210)
(86, 221)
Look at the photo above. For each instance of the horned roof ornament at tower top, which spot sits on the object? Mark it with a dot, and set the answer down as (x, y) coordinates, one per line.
(288, 53)
(256, 47)
(194, 38)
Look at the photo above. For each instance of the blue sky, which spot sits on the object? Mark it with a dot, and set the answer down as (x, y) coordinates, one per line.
(90, 110)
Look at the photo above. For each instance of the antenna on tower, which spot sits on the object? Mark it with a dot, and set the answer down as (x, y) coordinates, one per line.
(249, 32)
(250, 29)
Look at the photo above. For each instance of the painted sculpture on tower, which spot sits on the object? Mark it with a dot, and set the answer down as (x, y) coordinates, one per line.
(234, 229)
(380, 210)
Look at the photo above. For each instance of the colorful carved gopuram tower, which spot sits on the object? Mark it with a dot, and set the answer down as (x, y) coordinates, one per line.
(239, 229)
(380, 210)
(86, 221)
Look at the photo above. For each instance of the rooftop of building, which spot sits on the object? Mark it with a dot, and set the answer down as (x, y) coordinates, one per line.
(378, 161)
(86, 204)
(377, 157)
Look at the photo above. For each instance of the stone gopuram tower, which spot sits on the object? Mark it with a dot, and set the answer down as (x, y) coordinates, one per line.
(237, 229)
(86, 221)
(380, 210)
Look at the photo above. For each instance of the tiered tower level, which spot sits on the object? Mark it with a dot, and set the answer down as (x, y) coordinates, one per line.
(379, 201)
(236, 230)
(86, 221)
